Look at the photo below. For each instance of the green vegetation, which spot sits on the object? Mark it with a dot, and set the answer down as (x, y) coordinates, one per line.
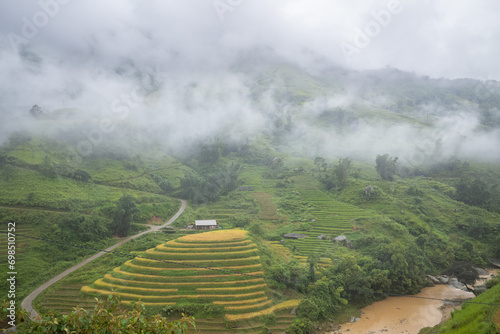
(386, 166)
(102, 318)
(122, 218)
(398, 222)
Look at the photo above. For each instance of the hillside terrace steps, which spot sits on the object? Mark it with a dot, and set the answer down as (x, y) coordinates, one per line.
(218, 267)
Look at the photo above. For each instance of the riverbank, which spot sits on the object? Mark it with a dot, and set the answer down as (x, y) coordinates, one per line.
(407, 314)
(412, 313)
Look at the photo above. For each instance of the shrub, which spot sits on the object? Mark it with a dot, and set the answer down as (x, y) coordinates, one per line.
(269, 319)
(105, 319)
(308, 309)
(301, 326)
(256, 229)
(491, 283)
(192, 309)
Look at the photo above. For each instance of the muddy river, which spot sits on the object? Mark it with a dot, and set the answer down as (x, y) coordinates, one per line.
(405, 314)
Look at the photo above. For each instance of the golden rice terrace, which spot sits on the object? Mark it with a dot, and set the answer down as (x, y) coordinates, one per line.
(218, 267)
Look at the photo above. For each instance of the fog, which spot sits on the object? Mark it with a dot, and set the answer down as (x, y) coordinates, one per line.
(182, 72)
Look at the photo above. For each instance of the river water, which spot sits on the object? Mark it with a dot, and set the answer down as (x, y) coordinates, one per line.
(405, 314)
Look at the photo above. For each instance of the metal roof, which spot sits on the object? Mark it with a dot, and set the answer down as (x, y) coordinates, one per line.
(205, 222)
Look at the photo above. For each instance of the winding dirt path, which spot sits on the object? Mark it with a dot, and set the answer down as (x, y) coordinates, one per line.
(27, 303)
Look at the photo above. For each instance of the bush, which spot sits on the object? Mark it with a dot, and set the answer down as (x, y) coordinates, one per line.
(269, 319)
(239, 221)
(308, 309)
(257, 230)
(301, 326)
(192, 309)
(491, 283)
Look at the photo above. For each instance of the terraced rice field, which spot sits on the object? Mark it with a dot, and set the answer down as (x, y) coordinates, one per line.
(219, 267)
(22, 244)
(66, 298)
(223, 214)
(267, 206)
(331, 217)
(323, 261)
(283, 320)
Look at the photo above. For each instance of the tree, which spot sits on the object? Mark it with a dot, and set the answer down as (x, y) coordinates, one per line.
(473, 192)
(464, 272)
(203, 189)
(312, 260)
(342, 171)
(326, 296)
(256, 229)
(479, 229)
(86, 228)
(227, 177)
(308, 309)
(81, 175)
(125, 210)
(47, 168)
(349, 275)
(320, 162)
(210, 152)
(36, 111)
(386, 166)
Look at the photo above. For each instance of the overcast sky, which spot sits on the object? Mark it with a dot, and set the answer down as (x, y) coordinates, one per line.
(436, 38)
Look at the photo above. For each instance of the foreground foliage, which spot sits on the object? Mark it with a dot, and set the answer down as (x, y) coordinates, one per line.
(106, 320)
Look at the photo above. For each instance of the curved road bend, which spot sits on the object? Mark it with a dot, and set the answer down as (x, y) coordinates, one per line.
(27, 303)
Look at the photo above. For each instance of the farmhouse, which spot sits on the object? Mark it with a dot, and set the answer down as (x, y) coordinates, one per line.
(205, 224)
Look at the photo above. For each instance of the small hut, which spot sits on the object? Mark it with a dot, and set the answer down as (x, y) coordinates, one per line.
(205, 224)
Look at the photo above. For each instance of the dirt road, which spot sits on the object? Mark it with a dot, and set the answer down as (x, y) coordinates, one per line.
(27, 303)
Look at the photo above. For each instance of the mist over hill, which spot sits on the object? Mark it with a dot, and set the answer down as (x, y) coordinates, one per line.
(179, 73)
(334, 112)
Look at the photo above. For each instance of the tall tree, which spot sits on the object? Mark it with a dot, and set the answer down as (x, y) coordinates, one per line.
(36, 111)
(320, 162)
(47, 168)
(125, 210)
(386, 166)
(342, 171)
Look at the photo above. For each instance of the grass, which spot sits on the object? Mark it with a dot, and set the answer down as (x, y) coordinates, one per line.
(31, 189)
